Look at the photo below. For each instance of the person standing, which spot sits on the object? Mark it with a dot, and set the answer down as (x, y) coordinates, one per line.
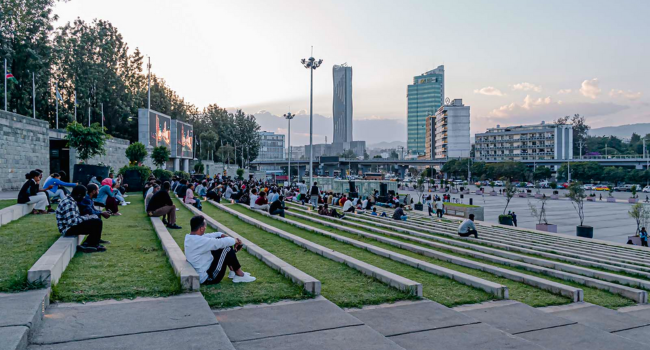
(644, 237)
(440, 207)
(313, 195)
(514, 218)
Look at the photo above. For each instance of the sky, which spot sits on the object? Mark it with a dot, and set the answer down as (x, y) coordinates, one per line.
(513, 62)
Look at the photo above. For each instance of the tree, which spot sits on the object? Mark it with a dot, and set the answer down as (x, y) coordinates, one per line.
(88, 141)
(366, 156)
(348, 153)
(226, 153)
(136, 152)
(541, 173)
(509, 190)
(580, 129)
(419, 189)
(577, 195)
(208, 142)
(160, 156)
(539, 214)
(393, 154)
(199, 167)
(240, 174)
(641, 214)
(377, 157)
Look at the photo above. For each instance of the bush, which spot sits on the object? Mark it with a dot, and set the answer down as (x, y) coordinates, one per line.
(144, 171)
(553, 185)
(136, 152)
(88, 141)
(199, 168)
(160, 155)
(240, 174)
(182, 175)
(163, 175)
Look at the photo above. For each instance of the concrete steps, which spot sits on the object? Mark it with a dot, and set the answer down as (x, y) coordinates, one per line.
(20, 316)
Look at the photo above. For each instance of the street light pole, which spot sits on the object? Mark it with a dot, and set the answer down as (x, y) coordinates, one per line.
(288, 117)
(311, 63)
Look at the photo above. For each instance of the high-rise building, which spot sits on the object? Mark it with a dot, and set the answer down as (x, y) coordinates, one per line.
(452, 131)
(430, 143)
(425, 96)
(342, 104)
(525, 142)
(271, 146)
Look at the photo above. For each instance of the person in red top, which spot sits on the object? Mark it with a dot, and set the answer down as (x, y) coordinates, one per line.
(343, 200)
(262, 202)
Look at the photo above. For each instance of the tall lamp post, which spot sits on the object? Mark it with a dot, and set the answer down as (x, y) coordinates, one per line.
(288, 117)
(311, 63)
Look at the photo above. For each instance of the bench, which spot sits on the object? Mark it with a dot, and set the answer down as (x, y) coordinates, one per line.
(14, 212)
(50, 266)
(190, 281)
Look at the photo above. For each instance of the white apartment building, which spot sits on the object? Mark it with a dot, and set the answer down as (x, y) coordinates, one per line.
(525, 142)
(452, 131)
(271, 146)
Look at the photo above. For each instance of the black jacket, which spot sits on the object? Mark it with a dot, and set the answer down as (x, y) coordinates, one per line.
(276, 205)
(30, 188)
(159, 200)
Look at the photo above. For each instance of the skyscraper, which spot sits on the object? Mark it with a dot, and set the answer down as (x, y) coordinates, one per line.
(425, 96)
(342, 104)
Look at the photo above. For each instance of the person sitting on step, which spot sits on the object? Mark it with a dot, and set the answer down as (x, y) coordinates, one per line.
(71, 223)
(467, 227)
(87, 205)
(30, 193)
(155, 188)
(261, 202)
(58, 185)
(277, 207)
(399, 214)
(106, 198)
(190, 199)
(348, 206)
(161, 205)
(211, 254)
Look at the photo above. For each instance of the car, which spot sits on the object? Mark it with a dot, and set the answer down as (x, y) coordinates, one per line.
(646, 189)
(588, 186)
(498, 183)
(601, 188)
(530, 185)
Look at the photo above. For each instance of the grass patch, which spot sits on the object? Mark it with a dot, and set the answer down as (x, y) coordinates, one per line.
(449, 204)
(340, 284)
(270, 286)
(6, 203)
(21, 245)
(439, 289)
(135, 264)
(591, 295)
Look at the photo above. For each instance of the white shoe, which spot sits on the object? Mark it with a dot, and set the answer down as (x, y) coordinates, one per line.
(125, 195)
(232, 274)
(123, 204)
(243, 279)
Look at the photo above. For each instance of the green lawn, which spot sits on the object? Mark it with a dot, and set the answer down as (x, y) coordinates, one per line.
(591, 295)
(22, 242)
(269, 287)
(436, 288)
(340, 284)
(135, 264)
(7, 203)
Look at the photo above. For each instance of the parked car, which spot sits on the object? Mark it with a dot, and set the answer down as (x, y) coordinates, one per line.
(601, 188)
(498, 183)
(530, 185)
(626, 188)
(646, 189)
(543, 184)
(588, 186)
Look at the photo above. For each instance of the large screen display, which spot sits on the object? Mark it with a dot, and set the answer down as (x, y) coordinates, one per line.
(184, 140)
(160, 130)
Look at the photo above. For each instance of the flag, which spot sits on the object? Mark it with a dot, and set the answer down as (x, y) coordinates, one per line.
(58, 94)
(11, 76)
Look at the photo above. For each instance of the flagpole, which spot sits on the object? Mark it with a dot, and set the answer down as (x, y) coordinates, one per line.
(33, 95)
(56, 98)
(5, 84)
(102, 116)
(148, 85)
(88, 111)
(75, 105)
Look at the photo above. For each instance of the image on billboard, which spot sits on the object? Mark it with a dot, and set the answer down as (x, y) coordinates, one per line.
(184, 140)
(159, 130)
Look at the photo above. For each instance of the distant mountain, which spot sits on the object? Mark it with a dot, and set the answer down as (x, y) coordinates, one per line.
(622, 131)
(386, 145)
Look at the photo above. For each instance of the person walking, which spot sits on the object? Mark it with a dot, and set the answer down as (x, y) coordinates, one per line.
(313, 195)
(514, 219)
(644, 237)
(440, 207)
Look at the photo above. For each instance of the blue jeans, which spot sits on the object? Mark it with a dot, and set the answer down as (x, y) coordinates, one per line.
(197, 204)
(278, 212)
(403, 217)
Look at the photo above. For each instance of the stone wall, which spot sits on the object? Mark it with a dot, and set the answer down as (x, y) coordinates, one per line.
(115, 152)
(24, 146)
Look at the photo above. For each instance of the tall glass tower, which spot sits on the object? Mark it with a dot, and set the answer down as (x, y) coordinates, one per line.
(342, 104)
(425, 96)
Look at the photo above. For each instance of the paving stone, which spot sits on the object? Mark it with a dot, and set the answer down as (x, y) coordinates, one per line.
(413, 317)
(12, 338)
(639, 334)
(643, 313)
(473, 336)
(22, 309)
(283, 319)
(74, 322)
(203, 337)
(516, 318)
(579, 337)
(352, 338)
(598, 317)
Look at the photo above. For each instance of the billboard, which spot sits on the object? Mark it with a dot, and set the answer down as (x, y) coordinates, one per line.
(184, 140)
(159, 130)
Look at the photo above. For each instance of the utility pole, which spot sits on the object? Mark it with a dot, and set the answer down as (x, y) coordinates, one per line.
(149, 85)
(580, 144)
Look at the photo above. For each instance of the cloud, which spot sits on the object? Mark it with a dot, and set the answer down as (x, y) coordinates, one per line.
(489, 91)
(630, 95)
(590, 88)
(527, 87)
(565, 91)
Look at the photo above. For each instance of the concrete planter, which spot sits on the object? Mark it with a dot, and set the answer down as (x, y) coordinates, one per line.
(611, 200)
(591, 199)
(419, 207)
(479, 192)
(522, 195)
(464, 212)
(466, 192)
(493, 193)
(634, 240)
(632, 200)
(505, 220)
(538, 195)
(82, 173)
(546, 227)
(585, 231)
(555, 196)
(454, 191)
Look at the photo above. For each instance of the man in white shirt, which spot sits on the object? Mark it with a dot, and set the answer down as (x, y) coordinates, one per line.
(253, 197)
(211, 253)
(440, 206)
(348, 207)
(467, 227)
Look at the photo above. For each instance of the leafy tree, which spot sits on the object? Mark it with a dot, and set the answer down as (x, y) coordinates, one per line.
(577, 195)
(580, 129)
(136, 152)
(641, 214)
(160, 156)
(539, 214)
(88, 141)
(366, 156)
(199, 167)
(208, 142)
(240, 173)
(348, 153)
(393, 154)
(509, 190)
(377, 157)
(182, 175)
(541, 173)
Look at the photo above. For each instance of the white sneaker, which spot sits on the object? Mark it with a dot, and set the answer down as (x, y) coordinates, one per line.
(123, 204)
(125, 195)
(232, 274)
(243, 279)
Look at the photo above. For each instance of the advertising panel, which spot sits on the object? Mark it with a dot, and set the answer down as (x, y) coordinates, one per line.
(184, 140)
(159, 130)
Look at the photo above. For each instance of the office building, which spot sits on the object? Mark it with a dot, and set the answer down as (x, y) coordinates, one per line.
(525, 142)
(342, 103)
(425, 96)
(452, 131)
(430, 141)
(297, 152)
(271, 146)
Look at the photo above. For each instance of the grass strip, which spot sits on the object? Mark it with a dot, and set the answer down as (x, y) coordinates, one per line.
(341, 284)
(22, 243)
(135, 264)
(436, 288)
(591, 295)
(6, 203)
(270, 286)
